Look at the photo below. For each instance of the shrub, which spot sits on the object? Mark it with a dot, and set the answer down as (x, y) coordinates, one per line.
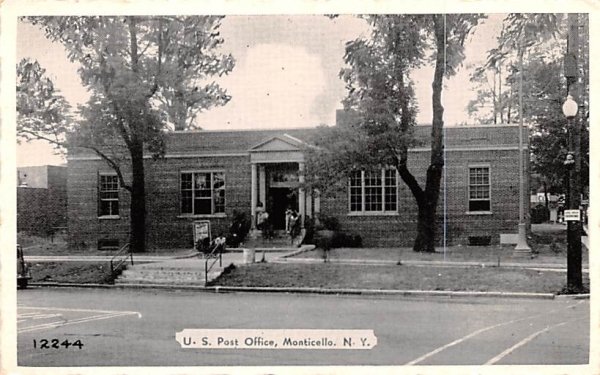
(480, 240)
(309, 227)
(343, 239)
(539, 214)
(329, 223)
(240, 226)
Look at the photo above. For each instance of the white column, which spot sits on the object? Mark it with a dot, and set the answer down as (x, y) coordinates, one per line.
(309, 205)
(301, 195)
(262, 186)
(253, 196)
(317, 205)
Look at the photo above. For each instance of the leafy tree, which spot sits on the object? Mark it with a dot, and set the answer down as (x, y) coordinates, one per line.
(42, 112)
(380, 92)
(145, 75)
(540, 40)
(527, 36)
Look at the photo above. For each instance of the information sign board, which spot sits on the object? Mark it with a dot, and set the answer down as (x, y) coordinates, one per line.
(572, 215)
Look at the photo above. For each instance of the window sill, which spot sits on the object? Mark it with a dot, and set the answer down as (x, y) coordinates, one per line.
(373, 213)
(207, 216)
(478, 213)
(109, 217)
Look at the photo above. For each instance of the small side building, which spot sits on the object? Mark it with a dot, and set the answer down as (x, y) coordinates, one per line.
(41, 199)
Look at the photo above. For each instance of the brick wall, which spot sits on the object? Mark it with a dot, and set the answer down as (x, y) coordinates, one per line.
(400, 229)
(165, 226)
(32, 210)
(42, 205)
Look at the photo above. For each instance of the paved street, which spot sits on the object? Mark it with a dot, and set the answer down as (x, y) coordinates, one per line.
(137, 327)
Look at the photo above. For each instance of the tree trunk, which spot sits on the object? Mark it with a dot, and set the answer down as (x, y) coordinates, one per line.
(138, 199)
(495, 101)
(500, 101)
(427, 223)
(546, 195)
(510, 100)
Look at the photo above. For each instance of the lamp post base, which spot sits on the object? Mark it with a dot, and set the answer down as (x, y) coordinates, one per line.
(522, 249)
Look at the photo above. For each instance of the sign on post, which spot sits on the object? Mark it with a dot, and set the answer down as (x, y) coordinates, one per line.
(201, 230)
(572, 215)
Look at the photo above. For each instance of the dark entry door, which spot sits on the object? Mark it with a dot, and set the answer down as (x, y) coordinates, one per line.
(280, 199)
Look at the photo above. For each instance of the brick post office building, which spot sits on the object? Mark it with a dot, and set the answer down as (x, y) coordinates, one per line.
(206, 175)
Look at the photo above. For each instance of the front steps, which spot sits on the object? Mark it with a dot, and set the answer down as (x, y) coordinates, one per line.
(180, 272)
(280, 240)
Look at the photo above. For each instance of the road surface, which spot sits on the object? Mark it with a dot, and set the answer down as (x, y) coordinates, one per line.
(128, 327)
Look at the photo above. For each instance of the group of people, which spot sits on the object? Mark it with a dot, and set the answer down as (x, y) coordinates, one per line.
(292, 223)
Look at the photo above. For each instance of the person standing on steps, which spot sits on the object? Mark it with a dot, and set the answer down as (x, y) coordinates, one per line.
(294, 225)
(288, 215)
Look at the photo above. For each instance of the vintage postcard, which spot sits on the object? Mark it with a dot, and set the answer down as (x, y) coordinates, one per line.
(315, 187)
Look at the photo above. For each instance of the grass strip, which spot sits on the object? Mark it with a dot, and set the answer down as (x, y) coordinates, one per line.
(332, 276)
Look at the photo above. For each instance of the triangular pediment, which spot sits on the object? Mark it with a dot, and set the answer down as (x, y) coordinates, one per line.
(278, 143)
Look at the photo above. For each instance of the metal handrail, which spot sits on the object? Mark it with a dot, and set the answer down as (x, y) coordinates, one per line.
(125, 250)
(213, 256)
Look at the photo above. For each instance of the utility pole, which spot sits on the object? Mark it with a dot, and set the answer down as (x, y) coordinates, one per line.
(574, 276)
(522, 248)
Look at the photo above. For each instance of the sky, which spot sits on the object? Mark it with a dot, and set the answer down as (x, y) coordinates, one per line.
(286, 74)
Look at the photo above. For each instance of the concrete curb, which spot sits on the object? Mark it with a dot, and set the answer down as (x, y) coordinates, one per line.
(72, 285)
(384, 292)
(337, 291)
(572, 296)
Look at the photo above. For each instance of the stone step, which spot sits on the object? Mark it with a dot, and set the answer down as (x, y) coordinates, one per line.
(167, 275)
(160, 282)
(162, 272)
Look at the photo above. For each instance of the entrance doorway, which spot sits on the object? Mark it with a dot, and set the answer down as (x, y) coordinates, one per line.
(280, 198)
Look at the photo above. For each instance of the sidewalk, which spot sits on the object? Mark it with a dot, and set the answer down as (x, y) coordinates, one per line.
(237, 258)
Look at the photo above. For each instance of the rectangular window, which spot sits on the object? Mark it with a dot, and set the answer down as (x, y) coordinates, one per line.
(108, 195)
(356, 191)
(479, 189)
(202, 193)
(374, 191)
(391, 190)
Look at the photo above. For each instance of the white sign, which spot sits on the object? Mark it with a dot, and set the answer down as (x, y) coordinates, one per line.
(572, 215)
(277, 338)
(201, 230)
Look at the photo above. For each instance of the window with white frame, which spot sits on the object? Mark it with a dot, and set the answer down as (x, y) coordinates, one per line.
(108, 195)
(479, 189)
(202, 193)
(374, 191)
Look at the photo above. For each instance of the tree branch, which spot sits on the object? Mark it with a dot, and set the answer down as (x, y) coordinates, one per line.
(35, 135)
(410, 181)
(112, 164)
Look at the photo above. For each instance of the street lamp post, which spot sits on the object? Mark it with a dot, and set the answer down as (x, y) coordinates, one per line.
(573, 161)
(574, 276)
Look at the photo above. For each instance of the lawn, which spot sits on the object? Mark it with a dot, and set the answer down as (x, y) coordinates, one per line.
(71, 272)
(549, 248)
(332, 276)
(40, 245)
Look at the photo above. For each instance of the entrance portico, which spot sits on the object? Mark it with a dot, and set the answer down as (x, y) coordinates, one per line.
(277, 178)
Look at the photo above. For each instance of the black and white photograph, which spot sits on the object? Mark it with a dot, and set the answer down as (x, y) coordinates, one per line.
(319, 188)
